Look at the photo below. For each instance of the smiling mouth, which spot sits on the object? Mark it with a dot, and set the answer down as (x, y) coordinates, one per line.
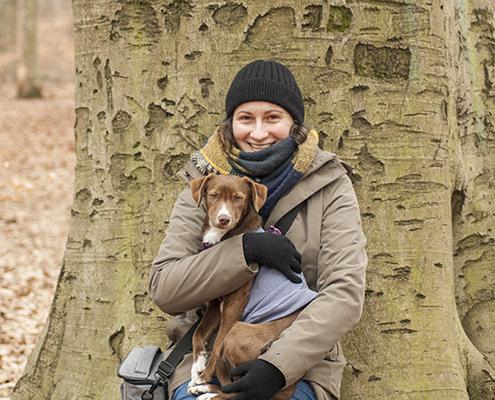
(260, 146)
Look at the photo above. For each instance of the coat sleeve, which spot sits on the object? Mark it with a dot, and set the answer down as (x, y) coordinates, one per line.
(342, 261)
(183, 277)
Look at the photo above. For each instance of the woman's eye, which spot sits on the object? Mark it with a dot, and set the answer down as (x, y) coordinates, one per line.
(273, 117)
(244, 118)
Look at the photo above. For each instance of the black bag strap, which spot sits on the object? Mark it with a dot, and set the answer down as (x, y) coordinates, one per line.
(286, 221)
(166, 367)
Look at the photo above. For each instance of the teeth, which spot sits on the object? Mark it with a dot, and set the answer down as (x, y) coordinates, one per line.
(260, 146)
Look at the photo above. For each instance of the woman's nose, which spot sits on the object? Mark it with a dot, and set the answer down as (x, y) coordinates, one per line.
(259, 132)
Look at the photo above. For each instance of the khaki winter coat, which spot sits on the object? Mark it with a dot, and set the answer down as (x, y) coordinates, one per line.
(329, 236)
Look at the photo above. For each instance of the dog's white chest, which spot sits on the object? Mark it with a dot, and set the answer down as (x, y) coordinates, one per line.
(213, 235)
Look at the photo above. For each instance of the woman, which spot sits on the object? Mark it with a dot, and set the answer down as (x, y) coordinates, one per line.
(264, 138)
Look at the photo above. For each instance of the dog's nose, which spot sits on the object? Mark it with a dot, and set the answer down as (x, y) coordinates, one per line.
(224, 219)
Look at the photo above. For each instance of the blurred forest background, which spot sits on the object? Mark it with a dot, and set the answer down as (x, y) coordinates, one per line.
(36, 180)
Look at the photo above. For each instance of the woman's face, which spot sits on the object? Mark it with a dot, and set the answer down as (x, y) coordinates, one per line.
(257, 125)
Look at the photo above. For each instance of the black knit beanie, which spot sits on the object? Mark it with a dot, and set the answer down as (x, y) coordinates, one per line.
(266, 81)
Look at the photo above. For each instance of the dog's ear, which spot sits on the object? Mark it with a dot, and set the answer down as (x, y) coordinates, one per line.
(258, 193)
(198, 187)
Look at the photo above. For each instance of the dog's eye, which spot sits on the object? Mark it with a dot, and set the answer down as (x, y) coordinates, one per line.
(213, 195)
(238, 198)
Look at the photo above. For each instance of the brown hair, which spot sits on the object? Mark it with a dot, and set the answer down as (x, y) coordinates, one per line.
(298, 131)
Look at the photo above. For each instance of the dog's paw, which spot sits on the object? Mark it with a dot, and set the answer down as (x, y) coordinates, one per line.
(207, 396)
(199, 365)
(197, 390)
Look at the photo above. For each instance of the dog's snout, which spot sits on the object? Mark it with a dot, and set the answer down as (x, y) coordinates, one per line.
(224, 219)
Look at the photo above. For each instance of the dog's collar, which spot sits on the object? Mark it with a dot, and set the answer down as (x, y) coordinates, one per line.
(273, 229)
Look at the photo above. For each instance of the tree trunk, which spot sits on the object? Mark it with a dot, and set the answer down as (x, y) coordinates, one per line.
(472, 199)
(403, 91)
(7, 24)
(28, 82)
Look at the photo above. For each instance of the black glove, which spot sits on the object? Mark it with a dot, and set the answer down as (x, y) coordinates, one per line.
(260, 381)
(274, 251)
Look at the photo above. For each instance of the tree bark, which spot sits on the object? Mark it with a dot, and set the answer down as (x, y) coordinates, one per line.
(403, 91)
(28, 81)
(8, 13)
(472, 205)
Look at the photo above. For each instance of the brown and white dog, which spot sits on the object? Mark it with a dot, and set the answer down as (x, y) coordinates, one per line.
(232, 204)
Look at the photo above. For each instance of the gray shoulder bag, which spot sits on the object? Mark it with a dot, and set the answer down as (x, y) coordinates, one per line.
(145, 371)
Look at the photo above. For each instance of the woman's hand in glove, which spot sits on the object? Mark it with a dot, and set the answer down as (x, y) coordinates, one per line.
(274, 251)
(260, 381)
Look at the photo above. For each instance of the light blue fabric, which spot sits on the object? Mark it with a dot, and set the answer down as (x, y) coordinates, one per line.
(303, 392)
(273, 296)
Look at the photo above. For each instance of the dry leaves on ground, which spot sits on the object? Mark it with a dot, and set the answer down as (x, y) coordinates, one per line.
(36, 182)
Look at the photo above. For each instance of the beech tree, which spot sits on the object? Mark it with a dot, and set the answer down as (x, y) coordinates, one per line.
(7, 24)
(403, 90)
(28, 80)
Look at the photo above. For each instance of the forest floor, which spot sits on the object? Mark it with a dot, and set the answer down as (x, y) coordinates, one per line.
(37, 161)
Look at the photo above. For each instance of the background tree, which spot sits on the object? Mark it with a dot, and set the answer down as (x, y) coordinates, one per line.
(401, 90)
(28, 80)
(7, 24)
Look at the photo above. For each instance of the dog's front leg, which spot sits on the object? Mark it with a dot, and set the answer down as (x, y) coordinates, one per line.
(231, 310)
(208, 325)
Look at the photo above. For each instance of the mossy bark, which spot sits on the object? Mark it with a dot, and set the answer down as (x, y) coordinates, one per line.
(388, 86)
(473, 201)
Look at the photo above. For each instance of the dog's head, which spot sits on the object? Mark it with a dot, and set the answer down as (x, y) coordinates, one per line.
(228, 198)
